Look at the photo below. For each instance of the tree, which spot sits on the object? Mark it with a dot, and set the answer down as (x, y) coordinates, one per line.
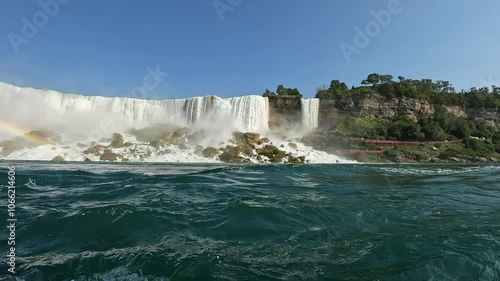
(268, 93)
(373, 79)
(281, 90)
(386, 78)
(495, 90)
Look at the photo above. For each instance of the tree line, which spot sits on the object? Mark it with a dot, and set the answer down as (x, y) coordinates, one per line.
(436, 92)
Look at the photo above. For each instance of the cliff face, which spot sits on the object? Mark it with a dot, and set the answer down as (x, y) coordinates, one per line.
(376, 107)
(284, 111)
(379, 107)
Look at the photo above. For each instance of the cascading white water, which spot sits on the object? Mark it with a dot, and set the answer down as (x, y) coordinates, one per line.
(251, 112)
(310, 113)
(36, 109)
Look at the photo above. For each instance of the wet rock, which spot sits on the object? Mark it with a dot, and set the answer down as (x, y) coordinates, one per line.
(87, 160)
(296, 160)
(81, 145)
(196, 137)
(183, 146)
(182, 132)
(42, 137)
(105, 140)
(480, 159)
(166, 151)
(263, 141)
(210, 152)
(117, 141)
(248, 150)
(231, 156)
(127, 144)
(157, 143)
(109, 156)
(251, 138)
(238, 135)
(125, 160)
(166, 137)
(90, 150)
(278, 157)
(292, 145)
(493, 159)
(268, 151)
(9, 146)
(178, 141)
(58, 158)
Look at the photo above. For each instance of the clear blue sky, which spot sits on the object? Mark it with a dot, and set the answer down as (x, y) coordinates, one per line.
(103, 47)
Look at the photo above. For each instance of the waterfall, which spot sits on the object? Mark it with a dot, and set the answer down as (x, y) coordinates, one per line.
(36, 109)
(310, 113)
(251, 112)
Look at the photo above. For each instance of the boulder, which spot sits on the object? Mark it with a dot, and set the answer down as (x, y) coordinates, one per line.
(268, 151)
(87, 160)
(251, 138)
(210, 152)
(90, 150)
(296, 160)
(183, 146)
(278, 157)
(58, 158)
(182, 132)
(238, 135)
(292, 145)
(42, 137)
(9, 146)
(117, 141)
(166, 151)
(166, 137)
(263, 141)
(157, 143)
(109, 156)
(493, 159)
(231, 156)
(178, 141)
(480, 159)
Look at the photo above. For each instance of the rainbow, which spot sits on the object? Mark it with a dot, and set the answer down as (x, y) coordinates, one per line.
(14, 131)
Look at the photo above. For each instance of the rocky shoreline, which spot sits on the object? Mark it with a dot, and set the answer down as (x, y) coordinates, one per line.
(241, 147)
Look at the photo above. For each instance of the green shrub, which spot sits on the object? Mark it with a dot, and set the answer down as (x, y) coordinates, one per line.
(450, 152)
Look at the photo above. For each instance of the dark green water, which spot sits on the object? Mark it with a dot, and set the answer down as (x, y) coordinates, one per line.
(227, 222)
